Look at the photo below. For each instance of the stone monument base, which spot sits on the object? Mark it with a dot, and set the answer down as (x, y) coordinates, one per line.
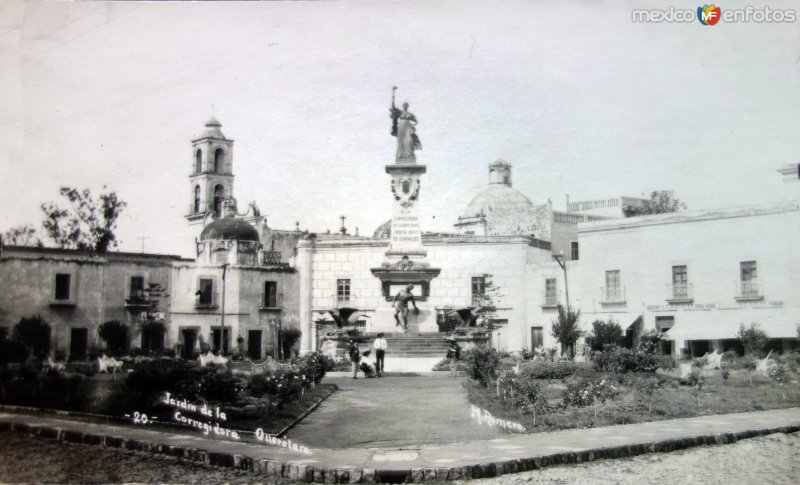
(383, 320)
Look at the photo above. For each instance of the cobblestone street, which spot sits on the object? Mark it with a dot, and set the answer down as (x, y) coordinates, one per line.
(24, 459)
(768, 459)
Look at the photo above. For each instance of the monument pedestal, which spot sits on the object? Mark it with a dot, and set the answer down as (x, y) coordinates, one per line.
(405, 263)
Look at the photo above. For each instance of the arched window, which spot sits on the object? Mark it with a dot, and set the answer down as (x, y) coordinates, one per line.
(219, 160)
(196, 199)
(198, 161)
(219, 196)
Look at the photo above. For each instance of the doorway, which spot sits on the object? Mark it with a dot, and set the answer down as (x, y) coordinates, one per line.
(189, 337)
(153, 338)
(537, 337)
(215, 347)
(254, 344)
(78, 343)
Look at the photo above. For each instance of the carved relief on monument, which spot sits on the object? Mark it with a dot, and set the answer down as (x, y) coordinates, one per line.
(405, 189)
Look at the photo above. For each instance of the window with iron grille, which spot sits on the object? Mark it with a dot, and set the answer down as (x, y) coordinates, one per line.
(748, 270)
(343, 290)
(679, 275)
(270, 294)
(63, 282)
(478, 288)
(550, 291)
(137, 288)
(206, 292)
(613, 290)
(749, 278)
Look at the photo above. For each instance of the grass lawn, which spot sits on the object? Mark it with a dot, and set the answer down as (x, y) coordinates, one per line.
(634, 404)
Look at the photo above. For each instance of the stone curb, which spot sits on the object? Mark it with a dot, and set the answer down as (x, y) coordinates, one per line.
(306, 473)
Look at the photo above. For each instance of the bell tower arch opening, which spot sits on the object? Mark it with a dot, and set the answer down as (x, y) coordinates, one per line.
(219, 160)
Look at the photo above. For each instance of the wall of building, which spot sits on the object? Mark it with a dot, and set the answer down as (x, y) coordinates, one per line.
(244, 302)
(99, 286)
(458, 258)
(711, 244)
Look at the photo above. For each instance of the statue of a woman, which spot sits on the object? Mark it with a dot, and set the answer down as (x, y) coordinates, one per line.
(405, 131)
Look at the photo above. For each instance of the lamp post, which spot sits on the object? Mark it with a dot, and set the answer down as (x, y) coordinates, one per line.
(222, 312)
(560, 260)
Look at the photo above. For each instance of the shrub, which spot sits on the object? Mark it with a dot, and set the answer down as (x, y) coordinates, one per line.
(605, 333)
(587, 392)
(157, 376)
(650, 341)
(12, 352)
(34, 333)
(621, 360)
(791, 360)
(520, 390)
(548, 370)
(220, 386)
(115, 334)
(315, 365)
(699, 362)
(280, 386)
(481, 364)
(753, 339)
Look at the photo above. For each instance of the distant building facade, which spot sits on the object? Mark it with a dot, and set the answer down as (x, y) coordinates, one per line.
(76, 291)
(696, 276)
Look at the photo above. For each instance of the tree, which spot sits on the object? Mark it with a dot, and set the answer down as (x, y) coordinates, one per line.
(24, 235)
(661, 202)
(565, 329)
(605, 333)
(34, 333)
(753, 339)
(87, 224)
(115, 333)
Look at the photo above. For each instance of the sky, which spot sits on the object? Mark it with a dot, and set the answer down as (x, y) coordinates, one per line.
(575, 95)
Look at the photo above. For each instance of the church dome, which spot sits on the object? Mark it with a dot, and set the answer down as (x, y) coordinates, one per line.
(384, 231)
(499, 209)
(497, 202)
(229, 229)
(212, 130)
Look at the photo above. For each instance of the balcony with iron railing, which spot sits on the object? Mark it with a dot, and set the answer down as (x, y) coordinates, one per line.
(138, 299)
(344, 301)
(272, 302)
(273, 258)
(204, 303)
(549, 300)
(680, 293)
(749, 290)
(612, 295)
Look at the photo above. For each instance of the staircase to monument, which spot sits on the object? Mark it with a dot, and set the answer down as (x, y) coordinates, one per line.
(410, 346)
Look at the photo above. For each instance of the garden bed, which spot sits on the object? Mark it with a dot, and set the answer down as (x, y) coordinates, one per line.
(637, 397)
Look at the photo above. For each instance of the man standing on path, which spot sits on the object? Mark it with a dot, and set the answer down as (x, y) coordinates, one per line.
(401, 306)
(355, 356)
(379, 345)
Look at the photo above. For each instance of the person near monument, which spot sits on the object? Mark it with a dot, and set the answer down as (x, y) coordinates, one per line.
(453, 356)
(379, 346)
(355, 356)
(401, 306)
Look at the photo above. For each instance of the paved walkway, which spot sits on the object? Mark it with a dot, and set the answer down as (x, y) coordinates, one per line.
(471, 459)
(392, 412)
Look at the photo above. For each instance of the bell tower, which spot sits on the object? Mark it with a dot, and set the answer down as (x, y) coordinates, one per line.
(211, 179)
